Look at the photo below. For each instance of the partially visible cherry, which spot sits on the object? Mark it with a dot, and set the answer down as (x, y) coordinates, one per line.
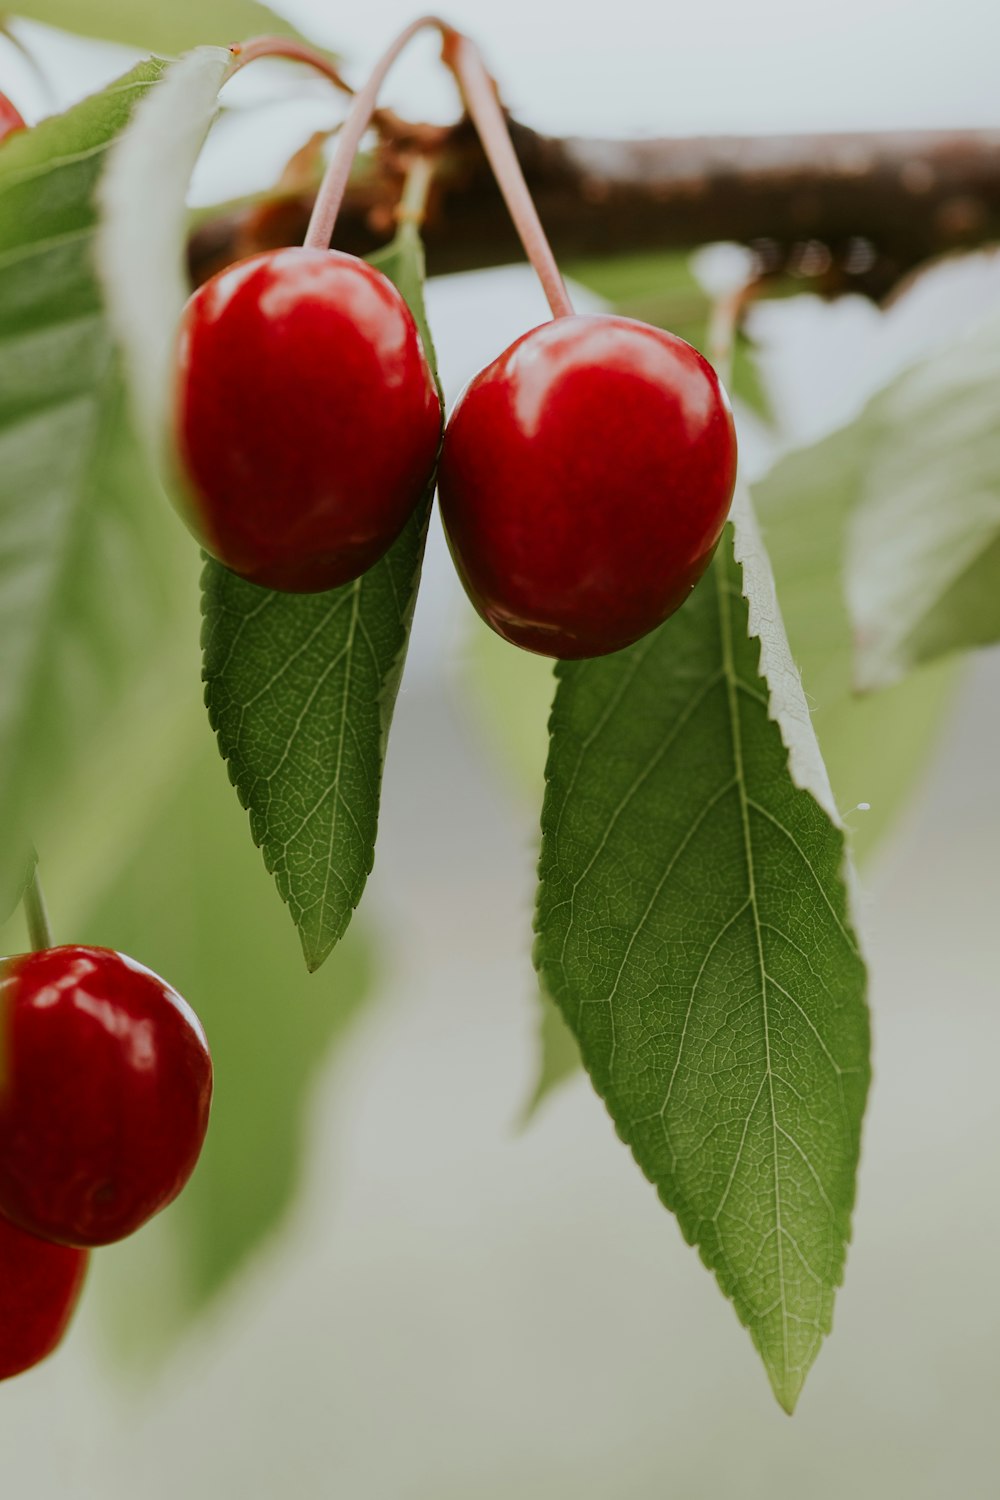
(307, 418)
(585, 478)
(10, 118)
(39, 1288)
(104, 1097)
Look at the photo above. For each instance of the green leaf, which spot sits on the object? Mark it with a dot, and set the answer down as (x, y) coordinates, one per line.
(169, 28)
(83, 592)
(693, 926)
(875, 747)
(924, 555)
(300, 690)
(193, 902)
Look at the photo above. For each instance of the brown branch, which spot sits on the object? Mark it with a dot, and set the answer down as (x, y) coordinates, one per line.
(848, 212)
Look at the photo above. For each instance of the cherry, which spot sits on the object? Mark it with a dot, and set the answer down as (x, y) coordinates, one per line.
(105, 1094)
(585, 478)
(39, 1287)
(307, 418)
(10, 118)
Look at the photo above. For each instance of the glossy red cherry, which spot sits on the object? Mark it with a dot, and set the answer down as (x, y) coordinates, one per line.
(39, 1288)
(307, 418)
(105, 1094)
(10, 118)
(585, 479)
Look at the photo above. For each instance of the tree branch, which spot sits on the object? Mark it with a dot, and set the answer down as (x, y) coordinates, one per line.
(845, 212)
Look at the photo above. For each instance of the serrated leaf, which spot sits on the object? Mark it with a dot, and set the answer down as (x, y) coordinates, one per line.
(875, 747)
(169, 28)
(300, 691)
(82, 592)
(923, 564)
(272, 1031)
(693, 926)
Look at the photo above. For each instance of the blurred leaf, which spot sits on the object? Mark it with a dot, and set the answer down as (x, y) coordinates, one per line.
(694, 928)
(15, 885)
(923, 566)
(662, 289)
(300, 691)
(558, 1053)
(83, 595)
(510, 695)
(169, 28)
(875, 748)
(194, 903)
(142, 243)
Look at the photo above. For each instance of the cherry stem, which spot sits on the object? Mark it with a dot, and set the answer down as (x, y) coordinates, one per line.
(282, 46)
(724, 323)
(335, 179)
(36, 914)
(479, 94)
(412, 205)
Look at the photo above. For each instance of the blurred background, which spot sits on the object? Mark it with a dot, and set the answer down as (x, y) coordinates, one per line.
(385, 1283)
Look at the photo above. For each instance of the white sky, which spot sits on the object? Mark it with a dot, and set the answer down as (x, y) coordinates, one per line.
(685, 66)
(656, 67)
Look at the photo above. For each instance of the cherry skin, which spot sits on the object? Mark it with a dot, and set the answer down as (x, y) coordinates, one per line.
(585, 479)
(307, 418)
(39, 1287)
(105, 1095)
(10, 118)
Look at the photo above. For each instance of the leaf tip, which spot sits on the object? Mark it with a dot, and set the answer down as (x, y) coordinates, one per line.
(315, 956)
(787, 1394)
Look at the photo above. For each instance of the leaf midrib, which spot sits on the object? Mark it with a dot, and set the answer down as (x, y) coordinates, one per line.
(335, 787)
(729, 673)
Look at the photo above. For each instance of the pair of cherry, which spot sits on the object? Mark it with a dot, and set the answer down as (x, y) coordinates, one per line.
(585, 475)
(105, 1089)
(584, 480)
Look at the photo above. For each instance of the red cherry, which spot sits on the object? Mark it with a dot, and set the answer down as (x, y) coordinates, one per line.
(39, 1287)
(585, 479)
(307, 417)
(105, 1098)
(10, 118)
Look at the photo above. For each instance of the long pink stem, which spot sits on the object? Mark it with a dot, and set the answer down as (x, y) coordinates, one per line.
(462, 57)
(332, 188)
(283, 46)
